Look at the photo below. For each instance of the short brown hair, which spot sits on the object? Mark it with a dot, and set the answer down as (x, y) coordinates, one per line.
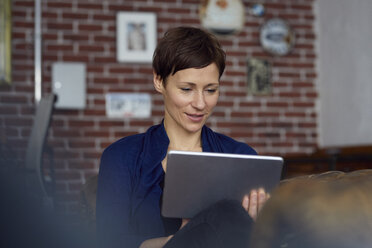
(187, 47)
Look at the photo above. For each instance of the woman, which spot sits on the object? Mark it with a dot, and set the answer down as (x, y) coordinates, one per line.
(188, 64)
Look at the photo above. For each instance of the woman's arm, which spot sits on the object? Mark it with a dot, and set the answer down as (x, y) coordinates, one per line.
(113, 202)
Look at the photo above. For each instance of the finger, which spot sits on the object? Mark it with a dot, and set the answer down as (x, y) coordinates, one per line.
(245, 202)
(252, 208)
(184, 222)
(261, 199)
(169, 237)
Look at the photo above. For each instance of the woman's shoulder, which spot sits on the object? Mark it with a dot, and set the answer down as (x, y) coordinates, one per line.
(126, 145)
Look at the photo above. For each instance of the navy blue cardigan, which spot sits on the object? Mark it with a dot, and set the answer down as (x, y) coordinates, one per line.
(129, 184)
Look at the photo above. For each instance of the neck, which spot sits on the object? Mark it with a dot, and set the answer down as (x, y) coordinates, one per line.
(180, 139)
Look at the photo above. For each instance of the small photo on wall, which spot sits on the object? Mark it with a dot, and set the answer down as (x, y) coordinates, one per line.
(136, 36)
(259, 77)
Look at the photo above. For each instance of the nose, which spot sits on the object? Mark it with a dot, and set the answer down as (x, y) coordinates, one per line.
(198, 101)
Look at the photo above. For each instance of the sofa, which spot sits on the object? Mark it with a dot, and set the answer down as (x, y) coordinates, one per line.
(331, 209)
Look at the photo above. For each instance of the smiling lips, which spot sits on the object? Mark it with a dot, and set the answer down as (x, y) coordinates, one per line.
(195, 117)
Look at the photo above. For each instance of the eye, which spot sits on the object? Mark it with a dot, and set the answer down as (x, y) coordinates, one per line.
(212, 90)
(185, 89)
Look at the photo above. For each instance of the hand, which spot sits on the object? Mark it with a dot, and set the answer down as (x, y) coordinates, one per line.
(155, 242)
(254, 202)
(184, 222)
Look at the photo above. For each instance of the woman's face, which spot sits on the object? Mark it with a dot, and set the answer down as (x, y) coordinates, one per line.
(189, 97)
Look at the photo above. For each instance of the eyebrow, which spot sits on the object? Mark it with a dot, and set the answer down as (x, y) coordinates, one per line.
(208, 85)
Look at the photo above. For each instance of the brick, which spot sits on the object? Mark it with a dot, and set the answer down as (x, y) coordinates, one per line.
(81, 144)
(227, 104)
(94, 112)
(8, 110)
(49, 15)
(75, 37)
(99, 102)
(242, 114)
(80, 123)
(23, 4)
(90, 27)
(105, 39)
(241, 134)
(250, 104)
(57, 123)
(19, 122)
(282, 124)
(295, 114)
(311, 94)
(295, 135)
(18, 143)
(80, 165)
(307, 125)
(235, 94)
(276, 6)
(60, 47)
(59, 26)
(120, 7)
(118, 123)
(67, 112)
(92, 155)
(94, 69)
(104, 60)
(96, 6)
(303, 84)
(271, 135)
(75, 16)
(91, 48)
(301, 7)
(289, 74)
(11, 132)
(268, 114)
(76, 58)
(102, 17)
(304, 104)
(106, 80)
(59, 5)
(121, 134)
(96, 134)
(277, 104)
(23, 24)
(66, 133)
(291, 94)
(282, 144)
(287, 16)
(99, 91)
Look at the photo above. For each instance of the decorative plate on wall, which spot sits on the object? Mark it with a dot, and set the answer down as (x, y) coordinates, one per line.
(277, 37)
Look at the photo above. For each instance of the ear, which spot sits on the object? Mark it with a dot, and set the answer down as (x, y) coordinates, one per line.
(158, 83)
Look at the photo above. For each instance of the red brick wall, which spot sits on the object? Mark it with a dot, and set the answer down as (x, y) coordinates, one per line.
(85, 31)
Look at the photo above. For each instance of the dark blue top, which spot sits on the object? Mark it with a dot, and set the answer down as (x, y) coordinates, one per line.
(130, 185)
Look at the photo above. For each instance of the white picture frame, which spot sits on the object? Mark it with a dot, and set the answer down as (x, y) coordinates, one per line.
(128, 105)
(136, 36)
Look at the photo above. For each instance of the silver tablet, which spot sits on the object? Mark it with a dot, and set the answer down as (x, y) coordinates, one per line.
(196, 180)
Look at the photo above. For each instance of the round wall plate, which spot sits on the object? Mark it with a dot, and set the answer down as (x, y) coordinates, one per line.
(277, 37)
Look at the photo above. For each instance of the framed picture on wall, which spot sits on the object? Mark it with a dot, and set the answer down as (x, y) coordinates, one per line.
(136, 36)
(5, 42)
(259, 76)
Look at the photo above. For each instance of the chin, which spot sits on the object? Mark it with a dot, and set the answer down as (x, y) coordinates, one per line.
(193, 128)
